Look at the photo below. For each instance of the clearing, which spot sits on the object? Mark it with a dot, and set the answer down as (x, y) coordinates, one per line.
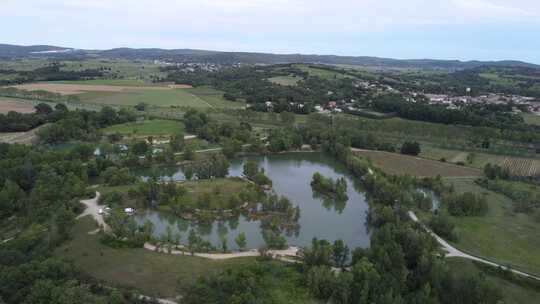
(285, 80)
(393, 163)
(151, 273)
(8, 105)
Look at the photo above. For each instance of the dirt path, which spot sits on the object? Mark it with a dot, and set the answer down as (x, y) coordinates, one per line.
(92, 208)
(280, 254)
(454, 252)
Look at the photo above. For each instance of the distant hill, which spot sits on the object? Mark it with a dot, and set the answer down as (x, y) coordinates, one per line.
(191, 55)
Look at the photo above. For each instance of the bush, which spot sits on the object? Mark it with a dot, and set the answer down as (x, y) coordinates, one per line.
(466, 204)
(410, 148)
(442, 225)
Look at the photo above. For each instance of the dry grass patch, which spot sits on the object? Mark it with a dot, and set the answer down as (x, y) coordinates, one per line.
(393, 163)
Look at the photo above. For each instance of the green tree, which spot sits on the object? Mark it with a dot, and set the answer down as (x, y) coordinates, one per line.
(241, 241)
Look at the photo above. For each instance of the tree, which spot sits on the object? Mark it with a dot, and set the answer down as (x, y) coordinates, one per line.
(251, 168)
(189, 152)
(287, 117)
(410, 148)
(43, 109)
(340, 253)
(241, 241)
(177, 142)
(224, 246)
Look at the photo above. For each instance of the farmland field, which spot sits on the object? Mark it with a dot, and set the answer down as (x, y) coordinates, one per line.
(393, 163)
(522, 166)
(82, 87)
(9, 104)
(147, 127)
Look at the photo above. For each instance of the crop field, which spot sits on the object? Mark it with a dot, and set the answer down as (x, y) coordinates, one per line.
(285, 80)
(153, 274)
(147, 127)
(131, 93)
(8, 104)
(393, 163)
(522, 166)
(82, 87)
(502, 235)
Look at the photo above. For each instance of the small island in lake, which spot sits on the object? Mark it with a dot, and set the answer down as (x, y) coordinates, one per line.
(328, 187)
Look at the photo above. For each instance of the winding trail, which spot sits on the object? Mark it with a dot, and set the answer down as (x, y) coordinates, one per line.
(92, 208)
(454, 252)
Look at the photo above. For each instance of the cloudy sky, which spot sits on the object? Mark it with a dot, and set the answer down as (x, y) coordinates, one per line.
(445, 29)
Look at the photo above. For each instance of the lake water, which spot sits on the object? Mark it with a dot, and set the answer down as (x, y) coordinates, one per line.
(291, 175)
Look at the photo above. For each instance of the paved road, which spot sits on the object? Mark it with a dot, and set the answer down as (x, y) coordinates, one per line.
(454, 252)
(92, 208)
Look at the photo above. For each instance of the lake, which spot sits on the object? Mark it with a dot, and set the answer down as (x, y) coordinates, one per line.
(291, 174)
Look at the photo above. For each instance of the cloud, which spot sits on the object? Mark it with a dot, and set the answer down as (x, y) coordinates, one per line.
(343, 26)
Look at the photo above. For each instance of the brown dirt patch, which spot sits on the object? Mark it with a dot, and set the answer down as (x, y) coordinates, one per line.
(393, 163)
(7, 105)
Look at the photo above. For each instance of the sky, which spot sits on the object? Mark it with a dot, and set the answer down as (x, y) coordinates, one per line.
(405, 29)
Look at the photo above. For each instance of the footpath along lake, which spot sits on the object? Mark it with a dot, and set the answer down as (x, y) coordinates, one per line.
(291, 175)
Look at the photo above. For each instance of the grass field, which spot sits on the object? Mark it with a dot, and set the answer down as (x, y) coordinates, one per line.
(321, 73)
(285, 80)
(147, 127)
(154, 274)
(532, 119)
(515, 292)
(502, 235)
(394, 163)
(11, 104)
(214, 98)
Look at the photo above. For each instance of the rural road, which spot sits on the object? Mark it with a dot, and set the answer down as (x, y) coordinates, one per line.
(92, 208)
(453, 252)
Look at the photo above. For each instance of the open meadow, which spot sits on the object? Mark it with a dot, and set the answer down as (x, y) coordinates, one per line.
(502, 235)
(147, 127)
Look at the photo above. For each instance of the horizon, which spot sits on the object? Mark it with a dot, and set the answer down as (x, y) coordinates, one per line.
(472, 30)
